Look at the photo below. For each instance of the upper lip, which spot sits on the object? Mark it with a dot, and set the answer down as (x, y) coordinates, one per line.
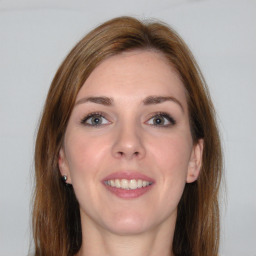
(129, 175)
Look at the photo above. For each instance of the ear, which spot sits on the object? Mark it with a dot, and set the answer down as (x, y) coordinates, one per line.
(63, 165)
(195, 161)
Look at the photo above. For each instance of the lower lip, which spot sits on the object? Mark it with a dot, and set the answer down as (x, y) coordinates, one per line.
(128, 193)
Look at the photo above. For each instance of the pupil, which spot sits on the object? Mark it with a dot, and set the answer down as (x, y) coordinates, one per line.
(96, 120)
(158, 120)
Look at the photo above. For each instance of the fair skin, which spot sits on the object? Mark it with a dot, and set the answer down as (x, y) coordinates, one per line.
(130, 124)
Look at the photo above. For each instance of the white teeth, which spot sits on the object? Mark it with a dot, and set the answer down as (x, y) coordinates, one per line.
(139, 183)
(124, 184)
(133, 184)
(117, 184)
(127, 184)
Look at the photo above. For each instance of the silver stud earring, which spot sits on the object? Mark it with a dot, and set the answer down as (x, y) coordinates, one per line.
(64, 178)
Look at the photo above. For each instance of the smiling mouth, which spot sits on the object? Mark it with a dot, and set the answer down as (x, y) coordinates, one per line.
(128, 184)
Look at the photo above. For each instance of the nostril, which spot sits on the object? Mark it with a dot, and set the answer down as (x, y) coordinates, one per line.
(120, 153)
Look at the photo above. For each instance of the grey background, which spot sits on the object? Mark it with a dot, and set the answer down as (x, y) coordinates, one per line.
(35, 36)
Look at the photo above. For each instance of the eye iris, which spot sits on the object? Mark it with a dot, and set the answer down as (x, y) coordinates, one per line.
(96, 120)
(158, 120)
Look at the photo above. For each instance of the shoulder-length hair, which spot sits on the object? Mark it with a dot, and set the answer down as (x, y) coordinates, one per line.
(56, 217)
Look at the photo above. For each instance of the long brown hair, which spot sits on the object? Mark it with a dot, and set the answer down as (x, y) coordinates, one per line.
(56, 217)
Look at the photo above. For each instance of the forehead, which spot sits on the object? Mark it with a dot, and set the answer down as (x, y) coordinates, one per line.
(134, 74)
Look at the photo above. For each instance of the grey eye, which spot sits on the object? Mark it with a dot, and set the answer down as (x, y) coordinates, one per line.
(95, 120)
(161, 120)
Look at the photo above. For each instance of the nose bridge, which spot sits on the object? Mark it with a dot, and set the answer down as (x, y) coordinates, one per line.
(128, 142)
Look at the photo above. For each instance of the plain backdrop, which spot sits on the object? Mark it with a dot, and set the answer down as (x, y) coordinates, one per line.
(35, 36)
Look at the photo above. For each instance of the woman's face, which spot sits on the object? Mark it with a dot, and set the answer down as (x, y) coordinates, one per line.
(128, 150)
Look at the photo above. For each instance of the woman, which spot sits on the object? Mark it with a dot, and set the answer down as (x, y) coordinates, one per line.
(128, 157)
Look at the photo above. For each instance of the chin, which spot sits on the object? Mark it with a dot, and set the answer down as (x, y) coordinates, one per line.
(128, 224)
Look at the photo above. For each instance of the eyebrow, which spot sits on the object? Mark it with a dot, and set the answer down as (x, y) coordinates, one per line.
(150, 100)
(160, 99)
(106, 101)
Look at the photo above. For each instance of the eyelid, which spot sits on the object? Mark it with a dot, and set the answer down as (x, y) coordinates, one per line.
(93, 114)
(167, 116)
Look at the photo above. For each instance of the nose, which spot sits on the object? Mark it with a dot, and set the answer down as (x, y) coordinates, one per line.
(128, 143)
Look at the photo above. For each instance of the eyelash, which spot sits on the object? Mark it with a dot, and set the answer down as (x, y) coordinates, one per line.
(155, 115)
(164, 115)
(94, 114)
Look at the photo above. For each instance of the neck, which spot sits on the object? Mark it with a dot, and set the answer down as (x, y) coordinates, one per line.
(155, 242)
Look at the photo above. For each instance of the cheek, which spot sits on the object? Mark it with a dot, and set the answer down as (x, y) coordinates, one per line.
(84, 153)
(85, 157)
(173, 154)
(172, 157)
